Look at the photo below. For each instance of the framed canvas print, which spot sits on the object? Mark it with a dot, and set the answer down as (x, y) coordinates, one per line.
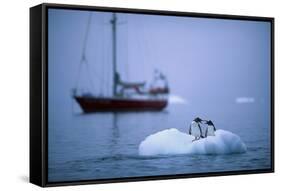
(129, 94)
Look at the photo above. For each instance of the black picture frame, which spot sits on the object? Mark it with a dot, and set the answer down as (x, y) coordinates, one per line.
(39, 92)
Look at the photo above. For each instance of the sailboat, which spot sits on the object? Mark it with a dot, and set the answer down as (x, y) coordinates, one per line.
(152, 99)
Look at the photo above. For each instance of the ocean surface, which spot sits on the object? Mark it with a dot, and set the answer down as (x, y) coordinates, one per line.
(105, 145)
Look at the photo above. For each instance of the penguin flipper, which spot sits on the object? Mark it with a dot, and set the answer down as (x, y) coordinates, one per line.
(201, 134)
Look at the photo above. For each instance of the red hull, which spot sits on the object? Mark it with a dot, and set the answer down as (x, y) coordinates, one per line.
(94, 104)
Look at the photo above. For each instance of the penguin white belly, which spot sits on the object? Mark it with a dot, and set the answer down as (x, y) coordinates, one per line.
(195, 130)
(211, 131)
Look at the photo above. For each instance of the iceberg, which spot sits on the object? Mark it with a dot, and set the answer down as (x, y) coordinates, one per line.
(174, 99)
(173, 142)
(241, 100)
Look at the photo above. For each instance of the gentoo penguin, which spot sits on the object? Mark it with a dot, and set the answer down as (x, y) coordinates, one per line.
(210, 129)
(195, 128)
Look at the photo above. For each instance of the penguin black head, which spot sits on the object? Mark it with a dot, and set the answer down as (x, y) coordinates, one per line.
(209, 122)
(197, 120)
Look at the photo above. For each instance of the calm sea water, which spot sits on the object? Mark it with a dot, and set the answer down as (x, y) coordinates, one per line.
(105, 145)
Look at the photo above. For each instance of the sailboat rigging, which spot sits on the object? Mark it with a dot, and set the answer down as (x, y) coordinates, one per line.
(152, 99)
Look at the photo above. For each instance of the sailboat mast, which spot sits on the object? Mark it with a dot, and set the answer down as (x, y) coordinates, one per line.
(113, 23)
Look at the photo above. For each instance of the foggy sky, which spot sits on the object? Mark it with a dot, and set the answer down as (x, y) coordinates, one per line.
(204, 59)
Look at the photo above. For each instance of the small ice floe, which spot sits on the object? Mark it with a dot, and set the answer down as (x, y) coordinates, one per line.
(174, 99)
(172, 141)
(241, 100)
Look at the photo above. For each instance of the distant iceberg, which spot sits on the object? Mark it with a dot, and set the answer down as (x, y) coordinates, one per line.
(174, 99)
(245, 100)
(172, 141)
